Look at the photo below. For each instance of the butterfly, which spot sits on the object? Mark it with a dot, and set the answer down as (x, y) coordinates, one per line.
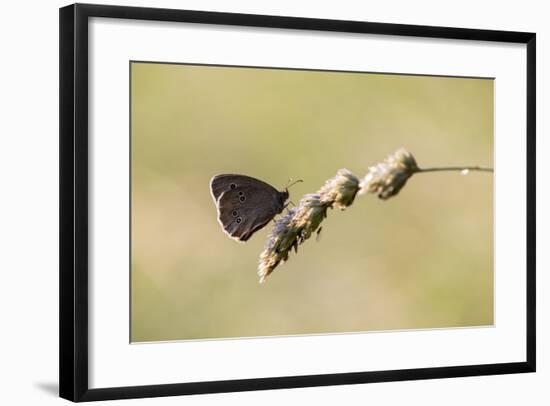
(245, 204)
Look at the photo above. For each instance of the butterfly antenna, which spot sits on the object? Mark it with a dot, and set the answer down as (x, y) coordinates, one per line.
(290, 183)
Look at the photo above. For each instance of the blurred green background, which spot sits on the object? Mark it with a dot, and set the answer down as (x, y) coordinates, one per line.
(423, 259)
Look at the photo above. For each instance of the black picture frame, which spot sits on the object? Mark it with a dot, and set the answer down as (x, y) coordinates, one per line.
(73, 281)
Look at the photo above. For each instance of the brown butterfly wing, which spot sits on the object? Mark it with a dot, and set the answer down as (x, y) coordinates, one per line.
(225, 182)
(245, 209)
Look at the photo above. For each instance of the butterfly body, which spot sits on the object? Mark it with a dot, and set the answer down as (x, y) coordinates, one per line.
(245, 204)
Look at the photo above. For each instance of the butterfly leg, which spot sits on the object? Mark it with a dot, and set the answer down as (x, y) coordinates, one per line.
(318, 234)
(286, 206)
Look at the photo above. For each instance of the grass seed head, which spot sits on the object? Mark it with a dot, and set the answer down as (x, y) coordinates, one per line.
(387, 178)
(340, 190)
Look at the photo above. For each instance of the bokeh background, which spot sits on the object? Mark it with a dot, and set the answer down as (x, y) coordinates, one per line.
(423, 259)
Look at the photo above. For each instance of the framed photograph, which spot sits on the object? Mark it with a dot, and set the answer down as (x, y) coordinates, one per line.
(257, 202)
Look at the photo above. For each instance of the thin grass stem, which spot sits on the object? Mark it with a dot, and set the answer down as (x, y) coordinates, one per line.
(454, 169)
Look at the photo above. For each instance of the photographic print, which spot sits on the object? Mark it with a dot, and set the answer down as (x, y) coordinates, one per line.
(280, 202)
(336, 191)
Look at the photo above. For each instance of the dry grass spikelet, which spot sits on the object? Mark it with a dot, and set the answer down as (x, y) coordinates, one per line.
(387, 178)
(340, 190)
(290, 231)
(302, 221)
(283, 237)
